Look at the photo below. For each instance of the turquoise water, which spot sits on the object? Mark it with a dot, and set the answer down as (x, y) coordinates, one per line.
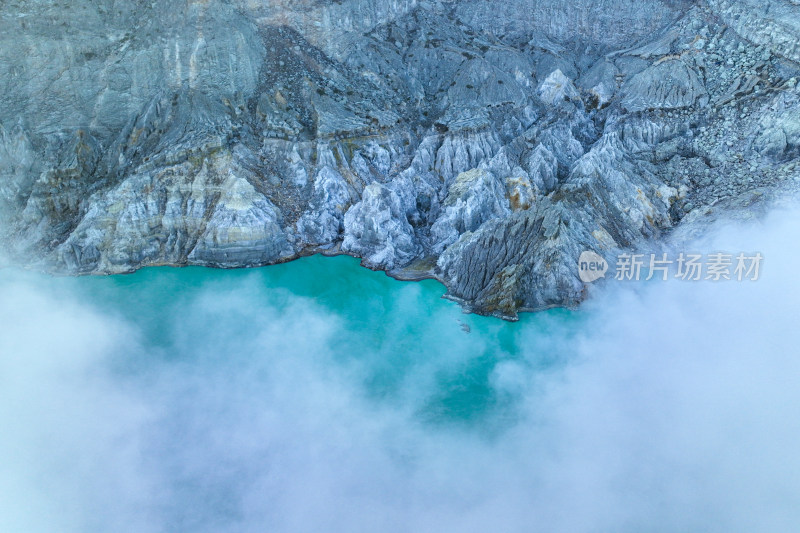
(394, 332)
(215, 396)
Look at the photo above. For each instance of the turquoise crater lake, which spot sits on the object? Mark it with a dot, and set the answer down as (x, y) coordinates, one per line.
(394, 332)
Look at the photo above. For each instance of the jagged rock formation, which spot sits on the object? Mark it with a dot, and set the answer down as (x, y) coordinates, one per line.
(486, 144)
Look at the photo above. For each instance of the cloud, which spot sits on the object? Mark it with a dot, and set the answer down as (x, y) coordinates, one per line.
(69, 437)
(247, 407)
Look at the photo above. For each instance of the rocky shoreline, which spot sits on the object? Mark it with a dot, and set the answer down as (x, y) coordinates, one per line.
(439, 140)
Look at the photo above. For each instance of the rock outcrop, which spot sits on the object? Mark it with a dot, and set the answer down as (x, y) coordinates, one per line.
(484, 144)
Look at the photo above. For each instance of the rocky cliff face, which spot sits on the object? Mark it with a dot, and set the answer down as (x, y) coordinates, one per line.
(482, 143)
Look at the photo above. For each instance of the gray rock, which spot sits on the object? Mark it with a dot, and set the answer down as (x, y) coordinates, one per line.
(322, 223)
(244, 230)
(778, 133)
(474, 197)
(494, 140)
(542, 166)
(377, 229)
(670, 84)
(774, 24)
(557, 88)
